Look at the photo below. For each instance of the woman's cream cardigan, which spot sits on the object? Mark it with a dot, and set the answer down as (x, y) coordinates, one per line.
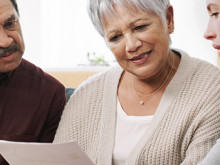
(184, 128)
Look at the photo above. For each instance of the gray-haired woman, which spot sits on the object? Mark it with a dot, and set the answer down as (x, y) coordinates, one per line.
(159, 106)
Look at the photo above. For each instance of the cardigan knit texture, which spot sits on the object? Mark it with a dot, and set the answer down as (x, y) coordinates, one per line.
(184, 128)
(213, 157)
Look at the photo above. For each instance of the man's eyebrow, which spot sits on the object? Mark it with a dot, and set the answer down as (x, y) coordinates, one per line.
(11, 18)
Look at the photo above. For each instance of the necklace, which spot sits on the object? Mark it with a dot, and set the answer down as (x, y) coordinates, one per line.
(153, 93)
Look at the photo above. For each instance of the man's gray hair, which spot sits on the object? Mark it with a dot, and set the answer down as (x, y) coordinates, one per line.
(99, 10)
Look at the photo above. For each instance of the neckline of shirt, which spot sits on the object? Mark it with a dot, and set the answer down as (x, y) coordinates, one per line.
(121, 113)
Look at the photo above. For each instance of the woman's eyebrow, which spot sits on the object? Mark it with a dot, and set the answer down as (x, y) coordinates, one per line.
(130, 25)
(211, 5)
(137, 20)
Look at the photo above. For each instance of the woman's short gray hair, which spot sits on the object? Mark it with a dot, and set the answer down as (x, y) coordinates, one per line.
(99, 10)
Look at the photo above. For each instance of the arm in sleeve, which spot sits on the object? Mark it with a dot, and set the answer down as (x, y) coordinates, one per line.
(54, 116)
(213, 157)
(64, 132)
(205, 134)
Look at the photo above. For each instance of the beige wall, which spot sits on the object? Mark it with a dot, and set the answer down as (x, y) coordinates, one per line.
(75, 76)
(71, 78)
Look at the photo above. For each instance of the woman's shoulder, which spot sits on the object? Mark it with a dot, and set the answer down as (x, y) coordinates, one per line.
(207, 71)
(94, 89)
(197, 77)
(199, 68)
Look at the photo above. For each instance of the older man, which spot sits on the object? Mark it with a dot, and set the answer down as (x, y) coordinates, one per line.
(31, 101)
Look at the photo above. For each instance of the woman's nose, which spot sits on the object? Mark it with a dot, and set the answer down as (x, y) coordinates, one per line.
(209, 33)
(132, 43)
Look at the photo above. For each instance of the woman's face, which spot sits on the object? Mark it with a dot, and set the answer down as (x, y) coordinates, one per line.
(213, 29)
(140, 42)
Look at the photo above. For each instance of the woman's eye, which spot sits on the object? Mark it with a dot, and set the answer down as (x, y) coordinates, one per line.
(141, 27)
(214, 14)
(114, 38)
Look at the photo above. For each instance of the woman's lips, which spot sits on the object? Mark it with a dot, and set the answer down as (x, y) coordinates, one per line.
(216, 46)
(142, 58)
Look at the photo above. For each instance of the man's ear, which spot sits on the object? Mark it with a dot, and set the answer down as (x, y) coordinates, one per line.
(169, 19)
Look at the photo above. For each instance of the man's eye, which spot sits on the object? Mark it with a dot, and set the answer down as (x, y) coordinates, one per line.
(10, 24)
(114, 38)
(141, 27)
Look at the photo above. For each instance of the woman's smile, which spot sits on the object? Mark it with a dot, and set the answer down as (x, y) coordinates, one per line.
(141, 58)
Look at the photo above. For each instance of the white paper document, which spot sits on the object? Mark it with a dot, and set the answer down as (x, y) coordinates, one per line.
(19, 153)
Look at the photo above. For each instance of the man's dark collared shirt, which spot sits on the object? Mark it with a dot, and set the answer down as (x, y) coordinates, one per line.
(4, 77)
(31, 104)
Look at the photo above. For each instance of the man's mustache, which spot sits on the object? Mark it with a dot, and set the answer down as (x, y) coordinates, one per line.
(9, 50)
